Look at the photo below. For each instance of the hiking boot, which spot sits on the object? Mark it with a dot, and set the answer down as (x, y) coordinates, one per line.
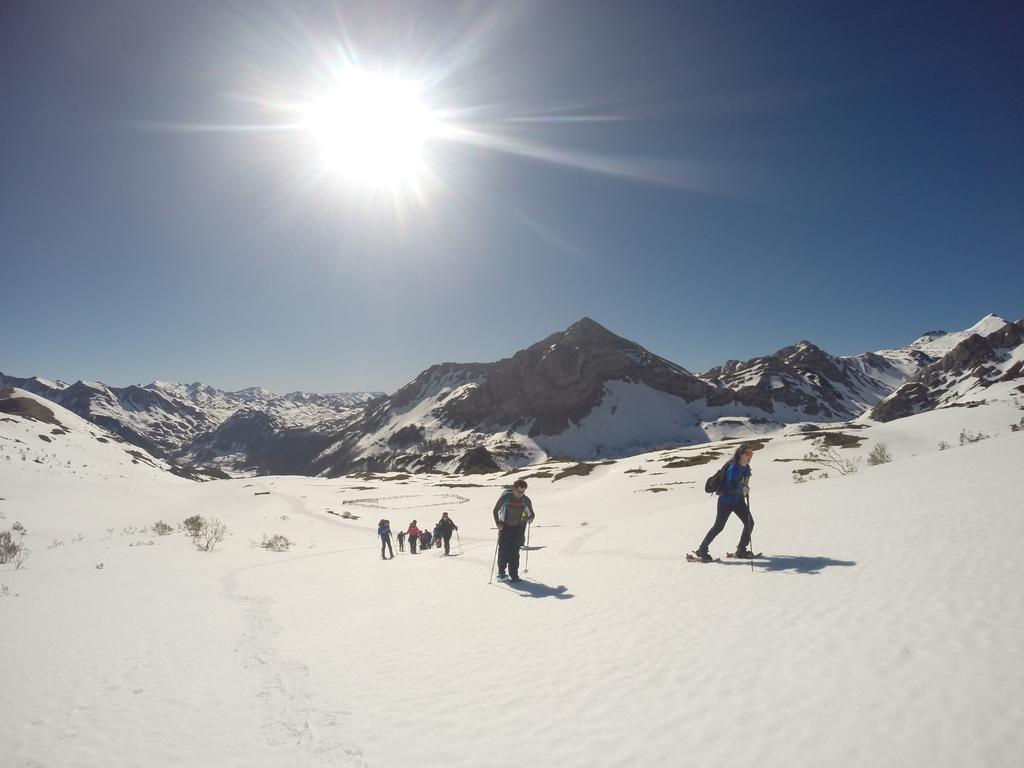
(502, 575)
(743, 553)
(702, 555)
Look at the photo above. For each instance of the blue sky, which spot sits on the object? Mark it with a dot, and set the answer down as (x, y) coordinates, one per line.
(713, 180)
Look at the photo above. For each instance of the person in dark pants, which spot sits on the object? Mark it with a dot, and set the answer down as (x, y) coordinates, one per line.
(512, 513)
(444, 528)
(733, 501)
(384, 531)
(413, 534)
(401, 541)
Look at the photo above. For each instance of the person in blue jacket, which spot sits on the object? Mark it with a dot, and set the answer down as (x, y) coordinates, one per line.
(384, 531)
(732, 500)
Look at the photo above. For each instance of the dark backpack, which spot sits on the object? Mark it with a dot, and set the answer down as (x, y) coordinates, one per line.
(714, 483)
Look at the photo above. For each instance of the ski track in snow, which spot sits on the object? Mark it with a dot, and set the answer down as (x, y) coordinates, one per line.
(291, 718)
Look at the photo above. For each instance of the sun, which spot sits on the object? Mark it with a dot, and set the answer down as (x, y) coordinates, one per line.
(371, 129)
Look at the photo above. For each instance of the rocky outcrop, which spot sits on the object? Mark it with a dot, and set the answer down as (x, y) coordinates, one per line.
(973, 365)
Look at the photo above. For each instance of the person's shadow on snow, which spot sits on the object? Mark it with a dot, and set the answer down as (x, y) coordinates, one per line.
(796, 563)
(536, 589)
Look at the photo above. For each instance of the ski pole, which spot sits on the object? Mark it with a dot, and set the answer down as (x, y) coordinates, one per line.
(750, 544)
(526, 569)
(459, 540)
(495, 557)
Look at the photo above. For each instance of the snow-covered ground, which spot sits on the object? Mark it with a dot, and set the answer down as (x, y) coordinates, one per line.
(884, 627)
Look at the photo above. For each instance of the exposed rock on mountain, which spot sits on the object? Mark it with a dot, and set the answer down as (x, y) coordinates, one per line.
(962, 376)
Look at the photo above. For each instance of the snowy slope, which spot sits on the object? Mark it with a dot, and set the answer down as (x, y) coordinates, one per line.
(54, 442)
(883, 629)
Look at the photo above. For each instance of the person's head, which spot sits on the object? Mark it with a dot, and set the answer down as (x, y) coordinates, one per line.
(444, 515)
(743, 455)
(414, 522)
(519, 486)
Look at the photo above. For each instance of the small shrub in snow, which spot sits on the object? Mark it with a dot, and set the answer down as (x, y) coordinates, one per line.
(944, 446)
(276, 543)
(1018, 427)
(967, 437)
(584, 523)
(211, 533)
(19, 528)
(8, 547)
(879, 455)
(141, 543)
(78, 539)
(285, 517)
(193, 525)
(829, 457)
(56, 543)
(160, 528)
(21, 556)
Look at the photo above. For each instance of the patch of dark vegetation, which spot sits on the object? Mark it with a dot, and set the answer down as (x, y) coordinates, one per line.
(806, 471)
(582, 469)
(261, 493)
(543, 475)
(394, 478)
(969, 404)
(656, 489)
(58, 431)
(102, 440)
(693, 461)
(367, 475)
(199, 474)
(46, 438)
(460, 485)
(637, 471)
(141, 457)
(835, 439)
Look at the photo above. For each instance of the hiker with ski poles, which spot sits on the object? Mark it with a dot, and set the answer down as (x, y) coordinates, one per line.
(445, 527)
(512, 513)
(384, 531)
(733, 488)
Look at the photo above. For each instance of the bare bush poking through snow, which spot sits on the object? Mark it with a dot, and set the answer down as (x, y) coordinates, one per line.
(879, 455)
(160, 528)
(8, 547)
(21, 556)
(276, 543)
(967, 437)
(193, 526)
(211, 533)
(944, 446)
(829, 457)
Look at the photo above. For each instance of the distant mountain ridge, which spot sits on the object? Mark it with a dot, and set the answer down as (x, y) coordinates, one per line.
(581, 393)
(164, 418)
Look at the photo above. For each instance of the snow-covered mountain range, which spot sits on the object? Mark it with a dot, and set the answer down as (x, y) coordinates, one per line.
(582, 393)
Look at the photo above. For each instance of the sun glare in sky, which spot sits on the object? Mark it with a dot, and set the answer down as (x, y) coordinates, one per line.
(371, 129)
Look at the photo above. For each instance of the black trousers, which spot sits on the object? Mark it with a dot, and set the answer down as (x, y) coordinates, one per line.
(508, 550)
(742, 511)
(412, 545)
(385, 541)
(447, 541)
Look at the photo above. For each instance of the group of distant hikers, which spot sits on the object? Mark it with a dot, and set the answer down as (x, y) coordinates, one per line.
(424, 538)
(513, 512)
